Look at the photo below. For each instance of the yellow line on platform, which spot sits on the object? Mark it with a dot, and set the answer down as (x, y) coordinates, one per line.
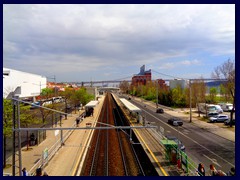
(153, 156)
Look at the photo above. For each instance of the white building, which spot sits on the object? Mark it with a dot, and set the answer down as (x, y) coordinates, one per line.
(22, 84)
(177, 82)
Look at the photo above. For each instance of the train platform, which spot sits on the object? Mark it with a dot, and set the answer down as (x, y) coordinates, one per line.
(63, 162)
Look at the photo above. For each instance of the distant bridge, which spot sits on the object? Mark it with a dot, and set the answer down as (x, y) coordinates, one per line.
(104, 82)
(98, 82)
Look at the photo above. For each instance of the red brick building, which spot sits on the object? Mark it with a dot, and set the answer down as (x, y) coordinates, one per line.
(143, 77)
(162, 84)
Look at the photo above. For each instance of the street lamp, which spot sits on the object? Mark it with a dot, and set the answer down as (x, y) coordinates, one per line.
(54, 77)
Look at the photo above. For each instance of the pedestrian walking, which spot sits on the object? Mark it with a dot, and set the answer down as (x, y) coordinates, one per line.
(214, 172)
(201, 170)
(77, 121)
(39, 172)
(32, 139)
(231, 172)
(24, 172)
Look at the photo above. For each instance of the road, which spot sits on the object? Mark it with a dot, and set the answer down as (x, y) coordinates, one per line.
(201, 145)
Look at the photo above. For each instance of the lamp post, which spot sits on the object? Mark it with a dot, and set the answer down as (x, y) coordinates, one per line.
(54, 77)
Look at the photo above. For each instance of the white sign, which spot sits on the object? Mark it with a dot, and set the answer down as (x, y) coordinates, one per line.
(56, 132)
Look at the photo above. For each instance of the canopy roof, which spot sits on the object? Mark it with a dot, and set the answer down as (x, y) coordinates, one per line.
(130, 106)
(91, 104)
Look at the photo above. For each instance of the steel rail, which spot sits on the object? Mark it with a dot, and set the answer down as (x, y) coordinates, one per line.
(121, 148)
(133, 150)
(97, 147)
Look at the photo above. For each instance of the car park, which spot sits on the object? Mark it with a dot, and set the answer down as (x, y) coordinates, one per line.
(227, 122)
(175, 122)
(219, 118)
(179, 143)
(159, 110)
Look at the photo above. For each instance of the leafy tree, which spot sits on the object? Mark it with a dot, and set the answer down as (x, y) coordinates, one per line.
(47, 93)
(27, 118)
(7, 125)
(212, 94)
(178, 97)
(227, 71)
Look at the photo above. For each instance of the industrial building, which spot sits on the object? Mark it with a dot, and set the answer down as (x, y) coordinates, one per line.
(22, 84)
(142, 77)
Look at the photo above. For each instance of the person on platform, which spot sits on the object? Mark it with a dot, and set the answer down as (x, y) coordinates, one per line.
(201, 170)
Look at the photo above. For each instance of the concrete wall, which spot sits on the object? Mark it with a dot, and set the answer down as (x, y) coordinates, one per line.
(26, 84)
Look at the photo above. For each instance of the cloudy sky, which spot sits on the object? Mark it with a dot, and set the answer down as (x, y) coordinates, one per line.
(108, 42)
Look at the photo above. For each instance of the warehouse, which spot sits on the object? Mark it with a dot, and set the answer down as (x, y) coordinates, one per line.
(22, 84)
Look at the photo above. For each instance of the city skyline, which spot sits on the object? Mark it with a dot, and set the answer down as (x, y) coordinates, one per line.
(107, 42)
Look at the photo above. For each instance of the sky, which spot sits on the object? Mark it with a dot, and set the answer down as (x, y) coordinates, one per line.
(109, 42)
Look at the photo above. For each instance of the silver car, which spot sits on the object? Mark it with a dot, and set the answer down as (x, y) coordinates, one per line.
(219, 118)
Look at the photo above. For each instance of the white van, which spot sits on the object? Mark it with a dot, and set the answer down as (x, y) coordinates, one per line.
(219, 109)
(226, 106)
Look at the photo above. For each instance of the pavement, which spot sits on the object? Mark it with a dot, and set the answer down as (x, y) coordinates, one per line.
(61, 159)
(65, 158)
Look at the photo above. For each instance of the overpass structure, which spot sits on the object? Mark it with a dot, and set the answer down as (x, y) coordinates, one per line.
(82, 83)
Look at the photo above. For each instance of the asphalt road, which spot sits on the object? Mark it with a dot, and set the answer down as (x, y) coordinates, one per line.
(201, 145)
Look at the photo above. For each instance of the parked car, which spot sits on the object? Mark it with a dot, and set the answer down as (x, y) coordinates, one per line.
(227, 122)
(35, 105)
(219, 118)
(212, 114)
(159, 110)
(175, 122)
(180, 144)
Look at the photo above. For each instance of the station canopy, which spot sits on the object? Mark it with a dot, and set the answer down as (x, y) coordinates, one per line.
(91, 104)
(130, 106)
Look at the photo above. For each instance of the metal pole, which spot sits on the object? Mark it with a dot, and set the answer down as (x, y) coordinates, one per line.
(19, 141)
(157, 93)
(40, 88)
(61, 132)
(14, 136)
(55, 86)
(190, 89)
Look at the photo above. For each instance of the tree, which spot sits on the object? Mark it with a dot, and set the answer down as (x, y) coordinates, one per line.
(227, 71)
(212, 94)
(124, 86)
(27, 118)
(7, 125)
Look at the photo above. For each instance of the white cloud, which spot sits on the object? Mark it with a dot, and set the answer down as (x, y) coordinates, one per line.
(89, 37)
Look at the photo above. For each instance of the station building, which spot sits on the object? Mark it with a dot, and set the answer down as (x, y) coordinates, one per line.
(22, 84)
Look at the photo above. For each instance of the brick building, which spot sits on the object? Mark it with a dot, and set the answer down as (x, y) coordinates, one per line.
(143, 77)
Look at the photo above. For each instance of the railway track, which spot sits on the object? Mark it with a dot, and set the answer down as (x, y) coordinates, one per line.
(111, 152)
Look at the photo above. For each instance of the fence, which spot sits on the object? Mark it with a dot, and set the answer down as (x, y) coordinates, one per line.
(48, 154)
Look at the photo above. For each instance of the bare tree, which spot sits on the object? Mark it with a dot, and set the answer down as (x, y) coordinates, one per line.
(124, 86)
(198, 92)
(227, 71)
